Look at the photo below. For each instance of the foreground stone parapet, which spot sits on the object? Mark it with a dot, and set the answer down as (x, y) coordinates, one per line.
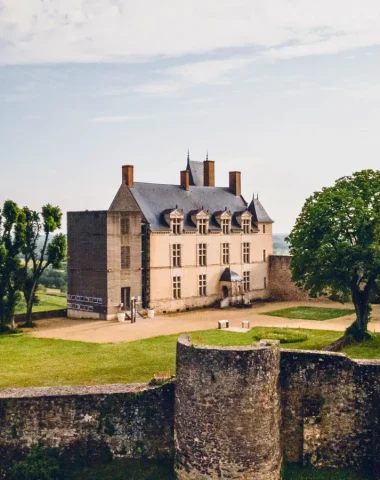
(227, 412)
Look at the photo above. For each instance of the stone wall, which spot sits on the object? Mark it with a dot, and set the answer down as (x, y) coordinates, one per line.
(21, 317)
(87, 263)
(227, 412)
(330, 409)
(95, 276)
(118, 278)
(281, 286)
(119, 420)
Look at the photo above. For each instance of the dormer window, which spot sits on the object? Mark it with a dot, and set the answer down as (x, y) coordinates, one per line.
(224, 220)
(245, 221)
(200, 218)
(246, 225)
(225, 224)
(176, 224)
(203, 226)
(174, 218)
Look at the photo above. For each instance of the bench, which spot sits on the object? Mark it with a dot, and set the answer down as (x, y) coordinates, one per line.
(223, 324)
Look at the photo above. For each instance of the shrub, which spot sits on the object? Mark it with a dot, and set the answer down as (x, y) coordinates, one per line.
(40, 464)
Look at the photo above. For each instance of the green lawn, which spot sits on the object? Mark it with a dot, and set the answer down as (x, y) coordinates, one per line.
(47, 302)
(310, 313)
(26, 361)
(369, 349)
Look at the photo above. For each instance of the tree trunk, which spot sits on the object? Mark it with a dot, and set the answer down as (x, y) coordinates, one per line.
(358, 329)
(29, 307)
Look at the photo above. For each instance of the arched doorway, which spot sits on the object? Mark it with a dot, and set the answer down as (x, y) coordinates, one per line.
(225, 291)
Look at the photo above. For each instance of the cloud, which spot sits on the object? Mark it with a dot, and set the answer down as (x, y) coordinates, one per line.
(209, 72)
(37, 31)
(119, 118)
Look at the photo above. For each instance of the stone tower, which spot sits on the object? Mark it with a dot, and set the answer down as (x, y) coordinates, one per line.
(227, 412)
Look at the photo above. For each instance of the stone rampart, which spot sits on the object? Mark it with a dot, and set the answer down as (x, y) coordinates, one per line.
(228, 406)
(281, 286)
(227, 412)
(330, 410)
(115, 420)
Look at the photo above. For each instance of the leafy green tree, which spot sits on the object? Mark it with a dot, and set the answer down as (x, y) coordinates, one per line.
(335, 244)
(12, 240)
(38, 259)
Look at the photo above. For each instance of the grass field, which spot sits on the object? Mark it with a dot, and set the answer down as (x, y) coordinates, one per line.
(310, 313)
(48, 302)
(26, 361)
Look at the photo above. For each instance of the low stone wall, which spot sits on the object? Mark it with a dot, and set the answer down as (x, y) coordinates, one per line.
(21, 317)
(330, 410)
(115, 420)
(281, 286)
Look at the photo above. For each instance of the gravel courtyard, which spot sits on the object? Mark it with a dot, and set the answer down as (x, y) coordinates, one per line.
(112, 331)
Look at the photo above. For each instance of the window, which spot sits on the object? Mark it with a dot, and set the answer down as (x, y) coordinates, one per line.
(265, 282)
(202, 285)
(264, 255)
(263, 228)
(246, 252)
(225, 223)
(176, 226)
(125, 225)
(203, 226)
(225, 253)
(246, 224)
(176, 255)
(176, 287)
(247, 281)
(125, 257)
(202, 258)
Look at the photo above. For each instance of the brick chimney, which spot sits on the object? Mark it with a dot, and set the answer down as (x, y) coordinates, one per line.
(209, 173)
(235, 183)
(127, 175)
(185, 179)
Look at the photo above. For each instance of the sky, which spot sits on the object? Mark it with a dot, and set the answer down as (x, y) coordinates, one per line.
(286, 91)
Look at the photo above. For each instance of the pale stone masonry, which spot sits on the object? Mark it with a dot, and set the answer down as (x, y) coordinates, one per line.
(174, 247)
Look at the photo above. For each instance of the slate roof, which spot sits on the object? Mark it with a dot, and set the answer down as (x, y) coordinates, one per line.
(229, 276)
(196, 170)
(154, 199)
(258, 211)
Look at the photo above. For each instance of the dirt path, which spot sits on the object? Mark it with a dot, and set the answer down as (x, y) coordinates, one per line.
(112, 331)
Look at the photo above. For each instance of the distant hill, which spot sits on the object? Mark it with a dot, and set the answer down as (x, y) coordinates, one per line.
(280, 247)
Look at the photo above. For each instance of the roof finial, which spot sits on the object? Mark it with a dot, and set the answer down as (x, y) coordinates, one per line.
(207, 155)
(188, 155)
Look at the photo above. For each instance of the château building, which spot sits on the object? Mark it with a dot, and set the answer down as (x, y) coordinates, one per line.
(176, 247)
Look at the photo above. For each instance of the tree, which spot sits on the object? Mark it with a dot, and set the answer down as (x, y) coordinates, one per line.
(335, 244)
(12, 240)
(37, 260)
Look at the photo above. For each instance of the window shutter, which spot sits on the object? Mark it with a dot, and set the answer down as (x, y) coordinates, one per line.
(181, 255)
(206, 253)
